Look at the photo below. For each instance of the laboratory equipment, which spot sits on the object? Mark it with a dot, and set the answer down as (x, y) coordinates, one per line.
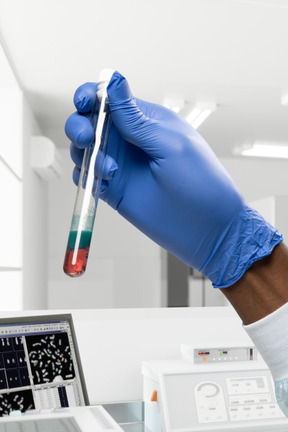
(74, 419)
(216, 354)
(231, 395)
(40, 364)
(85, 207)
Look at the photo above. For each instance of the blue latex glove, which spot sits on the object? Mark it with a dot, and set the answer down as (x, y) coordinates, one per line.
(169, 184)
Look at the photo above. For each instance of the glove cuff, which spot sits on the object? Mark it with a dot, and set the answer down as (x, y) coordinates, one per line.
(247, 239)
(271, 339)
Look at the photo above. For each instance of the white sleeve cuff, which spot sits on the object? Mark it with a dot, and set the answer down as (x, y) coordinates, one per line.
(270, 336)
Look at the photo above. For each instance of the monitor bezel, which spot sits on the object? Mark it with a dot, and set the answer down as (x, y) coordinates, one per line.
(50, 318)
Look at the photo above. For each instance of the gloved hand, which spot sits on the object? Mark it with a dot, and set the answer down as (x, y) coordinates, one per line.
(169, 184)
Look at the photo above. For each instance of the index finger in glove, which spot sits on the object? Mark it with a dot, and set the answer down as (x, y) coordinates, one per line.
(79, 130)
(85, 97)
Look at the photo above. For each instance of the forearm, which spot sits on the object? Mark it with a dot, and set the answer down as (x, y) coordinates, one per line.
(263, 288)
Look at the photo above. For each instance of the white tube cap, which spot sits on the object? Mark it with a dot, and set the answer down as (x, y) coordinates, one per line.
(105, 75)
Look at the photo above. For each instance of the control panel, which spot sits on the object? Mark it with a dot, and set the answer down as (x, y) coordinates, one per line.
(224, 354)
(217, 400)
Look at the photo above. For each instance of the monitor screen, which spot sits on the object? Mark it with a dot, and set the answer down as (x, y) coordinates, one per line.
(40, 367)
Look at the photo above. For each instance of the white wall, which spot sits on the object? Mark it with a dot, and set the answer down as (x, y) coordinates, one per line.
(124, 266)
(11, 192)
(23, 219)
(35, 208)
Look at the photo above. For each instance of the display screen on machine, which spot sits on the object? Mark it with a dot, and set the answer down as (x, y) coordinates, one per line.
(40, 366)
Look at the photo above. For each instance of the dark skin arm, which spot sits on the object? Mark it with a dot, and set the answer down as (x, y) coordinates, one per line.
(263, 288)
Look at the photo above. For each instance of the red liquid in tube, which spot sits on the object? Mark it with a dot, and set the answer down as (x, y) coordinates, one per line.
(75, 261)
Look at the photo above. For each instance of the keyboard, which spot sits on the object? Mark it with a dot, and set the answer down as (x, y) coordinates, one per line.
(67, 424)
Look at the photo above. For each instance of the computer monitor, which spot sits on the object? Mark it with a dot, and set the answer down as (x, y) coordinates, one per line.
(40, 366)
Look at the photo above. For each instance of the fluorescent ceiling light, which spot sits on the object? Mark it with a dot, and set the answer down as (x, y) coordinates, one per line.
(266, 150)
(195, 115)
(284, 100)
(174, 104)
(277, 3)
(176, 108)
(200, 113)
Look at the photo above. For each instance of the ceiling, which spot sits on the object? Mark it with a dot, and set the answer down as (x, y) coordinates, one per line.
(228, 51)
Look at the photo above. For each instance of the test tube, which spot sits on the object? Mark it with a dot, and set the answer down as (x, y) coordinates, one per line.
(87, 196)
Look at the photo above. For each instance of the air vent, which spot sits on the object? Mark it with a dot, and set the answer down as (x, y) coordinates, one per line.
(103, 420)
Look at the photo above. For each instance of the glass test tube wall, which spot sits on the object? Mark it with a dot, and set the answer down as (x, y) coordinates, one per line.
(85, 207)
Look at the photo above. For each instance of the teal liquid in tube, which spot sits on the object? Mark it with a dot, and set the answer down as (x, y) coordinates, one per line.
(80, 235)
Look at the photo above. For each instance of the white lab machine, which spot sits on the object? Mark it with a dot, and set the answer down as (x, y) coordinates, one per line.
(211, 388)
